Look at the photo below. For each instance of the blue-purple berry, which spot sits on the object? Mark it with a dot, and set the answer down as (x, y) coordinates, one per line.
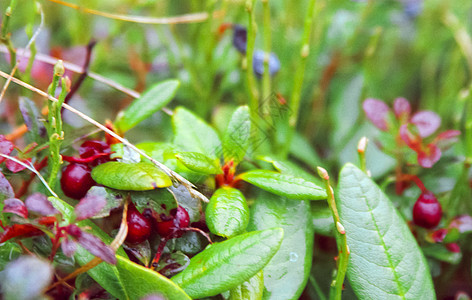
(258, 63)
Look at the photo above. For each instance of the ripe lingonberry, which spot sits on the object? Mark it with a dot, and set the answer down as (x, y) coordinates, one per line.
(181, 219)
(94, 147)
(139, 227)
(76, 180)
(427, 211)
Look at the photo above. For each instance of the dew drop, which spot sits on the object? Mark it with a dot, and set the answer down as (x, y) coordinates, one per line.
(293, 257)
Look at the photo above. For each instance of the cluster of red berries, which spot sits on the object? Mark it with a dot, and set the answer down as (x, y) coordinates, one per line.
(141, 225)
(76, 177)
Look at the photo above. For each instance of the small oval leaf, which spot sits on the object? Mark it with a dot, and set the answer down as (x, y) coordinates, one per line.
(193, 134)
(150, 102)
(385, 260)
(237, 135)
(139, 282)
(131, 177)
(199, 162)
(227, 214)
(225, 265)
(284, 185)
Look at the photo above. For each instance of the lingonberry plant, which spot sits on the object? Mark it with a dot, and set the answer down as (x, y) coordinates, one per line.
(207, 150)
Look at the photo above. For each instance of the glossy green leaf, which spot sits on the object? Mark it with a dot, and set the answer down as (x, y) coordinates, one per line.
(252, 289)
(284, 185)
(385, 260)
(193, 134)
(139, 282)
(237, 135)
(162, 201)
(198, 162)
(287, 273)
(150, 102)
(225, 265)
(131, 177)
(227, 214)
(322, 218)
(9, 251)
(290, 168)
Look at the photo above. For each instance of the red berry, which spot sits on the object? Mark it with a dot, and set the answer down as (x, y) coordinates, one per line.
(76, 180)
(179, 220)
(139, 227)
(94, 147)
(427, 211)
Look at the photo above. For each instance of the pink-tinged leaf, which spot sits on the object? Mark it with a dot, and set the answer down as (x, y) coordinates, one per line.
(439, 235)
(411, 140)
(6, 147)
(429, 156)
(6, 191)
(16, 167)
(153, 297)
(68, 246)
(446, 139)
(92, 243)
(40, 204)
(377, 112)
(15, 206)
(453, 247)
(402, 109)
(89, 206)
(427, 122)
(462, 223)
(20, 231)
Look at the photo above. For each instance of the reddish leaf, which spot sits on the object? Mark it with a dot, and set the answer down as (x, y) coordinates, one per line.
(19, 230)
(411, 140)
(6, 147)
(6, 191)
(92, 243)
(402, 109)
(462, 223)
(40, 204)
(427, 122)
(453, 247)
(68, 246)
(377, 112)
(439, 235)
(15, 206)
(445, 139)
(16, 167)
(429, 156)
(89, 206)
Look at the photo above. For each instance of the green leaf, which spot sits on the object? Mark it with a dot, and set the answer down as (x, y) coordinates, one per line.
(287, 273)
(385, 260)
(198, 162)
(139, 282)
(284, 185)
(227, 213)
(150, 102)
(322, 218)
(225, 265)
(251, 289)
(301, 149)
(236, 137)
(9, 251)
(131, 177)
(290, 168)
(192, 134)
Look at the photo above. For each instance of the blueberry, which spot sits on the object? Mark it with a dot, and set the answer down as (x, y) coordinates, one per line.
(240, 38)
(258, 63)
(413, 8)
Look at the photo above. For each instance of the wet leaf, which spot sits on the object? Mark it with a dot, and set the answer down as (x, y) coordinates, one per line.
(227, 214)
(385, 260)
(286, 275)
(134, 177)
(226, 265)
(150, 102)
(284, 185)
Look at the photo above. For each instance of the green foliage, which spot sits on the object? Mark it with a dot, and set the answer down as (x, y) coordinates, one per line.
(237, 135)
(226, 265)
(381, 244)
(133, 177)
(199, 163)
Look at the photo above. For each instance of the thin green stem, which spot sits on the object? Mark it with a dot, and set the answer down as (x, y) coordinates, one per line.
(299, 75)
(5, 36)
(317, 288)
(251, 81)
(361, 147)
(266, 80)
(341, 241)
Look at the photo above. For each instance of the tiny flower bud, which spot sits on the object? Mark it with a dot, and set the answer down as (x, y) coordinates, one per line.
(340, 228)
(322, 173)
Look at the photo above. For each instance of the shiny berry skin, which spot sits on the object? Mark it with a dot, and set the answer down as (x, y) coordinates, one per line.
(180, 220)
(94, 147)
(139, 227)
(240, 38)
(76, 180)
(427, 211)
